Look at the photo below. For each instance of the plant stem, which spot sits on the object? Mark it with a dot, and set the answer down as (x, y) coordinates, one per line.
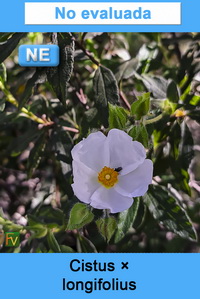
(106, 213)
(123, 98)
(13, 101)
(153, 120)
(91, 57)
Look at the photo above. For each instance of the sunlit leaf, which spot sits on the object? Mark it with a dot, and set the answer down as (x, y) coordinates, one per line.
(117, 117)
(80, 215)
(141, 107)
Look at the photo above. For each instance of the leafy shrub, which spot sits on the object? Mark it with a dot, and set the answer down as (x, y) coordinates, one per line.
(144, 84)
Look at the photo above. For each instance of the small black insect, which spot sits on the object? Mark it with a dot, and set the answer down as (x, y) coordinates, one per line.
(118, 169)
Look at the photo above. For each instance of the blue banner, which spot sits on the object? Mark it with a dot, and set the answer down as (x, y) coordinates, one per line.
(137, 276)
(95, 16)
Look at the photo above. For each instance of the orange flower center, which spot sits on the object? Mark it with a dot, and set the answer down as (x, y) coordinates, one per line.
(179, 113)
(108, 177)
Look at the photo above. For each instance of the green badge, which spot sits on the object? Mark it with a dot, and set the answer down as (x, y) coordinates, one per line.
(12, 239)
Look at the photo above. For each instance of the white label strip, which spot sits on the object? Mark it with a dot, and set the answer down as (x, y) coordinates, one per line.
(102, 13)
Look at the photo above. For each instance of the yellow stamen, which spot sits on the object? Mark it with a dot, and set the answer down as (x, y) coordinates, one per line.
(108, 177)
(179, 113)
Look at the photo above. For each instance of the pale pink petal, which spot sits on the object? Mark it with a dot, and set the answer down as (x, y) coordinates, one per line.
(136, 182)
(85, 181)
(124, 152)
(92, 151)
(104, 198)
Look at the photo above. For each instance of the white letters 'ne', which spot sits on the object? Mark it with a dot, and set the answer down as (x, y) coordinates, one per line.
(33, 54)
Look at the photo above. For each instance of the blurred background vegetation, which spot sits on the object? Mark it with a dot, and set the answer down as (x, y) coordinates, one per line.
(45, 111)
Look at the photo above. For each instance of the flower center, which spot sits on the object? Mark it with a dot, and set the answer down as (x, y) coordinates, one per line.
(179, 113)
(108, 177)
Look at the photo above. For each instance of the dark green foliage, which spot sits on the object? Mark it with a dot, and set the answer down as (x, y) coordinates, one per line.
(157, 85)
(167, 210)
(38, 77)
(126, 220)
(105, 87)
(173, 92)
(52, 242)
(36, 153)
(127, 69)
(8, 46)
(59, 76)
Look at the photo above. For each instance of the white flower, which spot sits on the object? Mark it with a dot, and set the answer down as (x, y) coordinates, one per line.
(109, 171)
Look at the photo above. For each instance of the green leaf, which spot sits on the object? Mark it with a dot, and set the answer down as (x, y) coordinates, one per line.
(1, 212)
(90, 115)
(80, 215)
(105, 87)
(173, 92)
(4, 36)
(3, 73)
(90, 121)
(33, 220)
(141, 106)
(107, 227)
(195, 115)
(52, 242)
(126, 69)
(21, 143)
(59, 76)
(181, 155)
(85, 245)
(175, 138)
(186, 152)
(7, 47)
(36, 154)
(66, 249)
(38, 77)
(38, 229)
(156, 84)
(9, 225)
(166, 209)
(126, 220)
(193, 100)
(117, 117)
(38, 232)
(61, 143)
(140, 134)
(182, 176)
(8, 118)
(50, 215)
(2, 105)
